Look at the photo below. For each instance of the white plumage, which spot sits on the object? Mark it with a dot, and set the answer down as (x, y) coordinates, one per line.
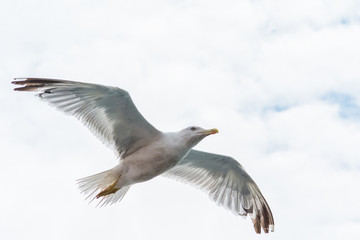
(145, 152)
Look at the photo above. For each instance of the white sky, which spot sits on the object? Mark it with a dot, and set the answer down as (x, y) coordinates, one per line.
(279, 79)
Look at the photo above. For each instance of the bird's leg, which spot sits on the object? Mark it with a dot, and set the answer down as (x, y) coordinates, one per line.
(109, 190)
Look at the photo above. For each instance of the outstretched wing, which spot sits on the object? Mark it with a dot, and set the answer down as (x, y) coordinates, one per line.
(227, 183)
(108, 112)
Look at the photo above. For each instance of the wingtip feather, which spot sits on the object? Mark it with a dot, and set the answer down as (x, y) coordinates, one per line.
(33, 84)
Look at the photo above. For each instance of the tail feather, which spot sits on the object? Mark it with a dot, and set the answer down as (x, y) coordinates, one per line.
(92, 185)
(113, 198)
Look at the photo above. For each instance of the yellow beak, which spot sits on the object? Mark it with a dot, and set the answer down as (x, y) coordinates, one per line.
(210, 131)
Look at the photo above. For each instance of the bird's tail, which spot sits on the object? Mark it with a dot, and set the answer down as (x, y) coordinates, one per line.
(102, 185)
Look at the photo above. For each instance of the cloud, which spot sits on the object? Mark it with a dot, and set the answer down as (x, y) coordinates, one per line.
(348, 107)
(280, 80)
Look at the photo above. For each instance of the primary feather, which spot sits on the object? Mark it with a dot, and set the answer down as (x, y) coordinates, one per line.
(108, 112)
(226, 183)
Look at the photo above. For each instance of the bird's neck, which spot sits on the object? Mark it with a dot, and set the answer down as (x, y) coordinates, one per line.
(177, 144)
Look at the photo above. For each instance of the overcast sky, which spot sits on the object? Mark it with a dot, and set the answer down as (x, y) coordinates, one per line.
(279, 79)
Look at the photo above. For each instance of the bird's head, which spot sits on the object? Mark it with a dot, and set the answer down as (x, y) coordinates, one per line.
(193, 135)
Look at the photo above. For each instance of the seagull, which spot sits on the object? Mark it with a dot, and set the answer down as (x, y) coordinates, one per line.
(145, 152)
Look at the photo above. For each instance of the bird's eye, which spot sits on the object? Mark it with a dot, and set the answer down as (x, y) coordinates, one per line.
(193, 128)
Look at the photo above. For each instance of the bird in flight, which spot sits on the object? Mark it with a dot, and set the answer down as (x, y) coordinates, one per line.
(145, 152)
